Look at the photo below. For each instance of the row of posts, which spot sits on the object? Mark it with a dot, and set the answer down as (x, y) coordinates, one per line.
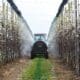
(64, 35)
(9, 33)
(68, 34)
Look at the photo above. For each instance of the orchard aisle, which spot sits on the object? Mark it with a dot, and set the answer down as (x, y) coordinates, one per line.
(37, 69)
(48, 69)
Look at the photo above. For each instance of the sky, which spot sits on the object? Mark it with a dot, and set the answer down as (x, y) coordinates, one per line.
(38, 13)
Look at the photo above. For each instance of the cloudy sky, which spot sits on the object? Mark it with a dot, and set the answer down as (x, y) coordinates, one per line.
(38, 13)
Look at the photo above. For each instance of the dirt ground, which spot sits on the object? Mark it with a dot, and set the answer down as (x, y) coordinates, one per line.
(13, 71)
(63, 71)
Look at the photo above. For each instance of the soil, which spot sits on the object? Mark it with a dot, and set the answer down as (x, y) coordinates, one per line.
(13, 70)
(63, 71)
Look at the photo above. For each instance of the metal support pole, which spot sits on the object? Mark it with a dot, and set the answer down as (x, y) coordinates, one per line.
(76, 42)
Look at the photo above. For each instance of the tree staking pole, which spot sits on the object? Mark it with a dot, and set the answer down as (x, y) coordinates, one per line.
(6, 11)
(76, 42)
(3, 27)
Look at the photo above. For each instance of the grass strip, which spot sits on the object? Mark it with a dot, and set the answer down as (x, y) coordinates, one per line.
(39, 69)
